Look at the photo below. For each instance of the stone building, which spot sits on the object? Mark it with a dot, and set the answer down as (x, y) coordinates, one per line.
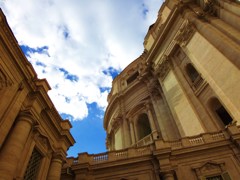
(174, 112)
(33, 137)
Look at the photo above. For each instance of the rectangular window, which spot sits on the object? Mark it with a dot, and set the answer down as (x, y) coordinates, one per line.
(132, 77)
(223, 176)
(33, 165)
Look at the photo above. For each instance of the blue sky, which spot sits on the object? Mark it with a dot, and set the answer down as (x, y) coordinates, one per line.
(79, 46)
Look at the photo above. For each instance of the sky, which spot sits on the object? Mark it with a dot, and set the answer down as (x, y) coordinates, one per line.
(79, 46)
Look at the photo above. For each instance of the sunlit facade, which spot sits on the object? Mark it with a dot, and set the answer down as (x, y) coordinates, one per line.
(33, 137)
(174, 112)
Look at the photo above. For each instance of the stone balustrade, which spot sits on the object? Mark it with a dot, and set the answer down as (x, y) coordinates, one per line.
(109, 156)
(202, 139)
(192, 141)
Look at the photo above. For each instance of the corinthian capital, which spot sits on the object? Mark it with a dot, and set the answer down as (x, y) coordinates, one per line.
(185, 33)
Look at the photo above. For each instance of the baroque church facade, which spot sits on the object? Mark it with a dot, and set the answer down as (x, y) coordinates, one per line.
(174, 112)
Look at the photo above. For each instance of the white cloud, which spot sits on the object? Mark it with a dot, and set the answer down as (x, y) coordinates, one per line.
(84, 38)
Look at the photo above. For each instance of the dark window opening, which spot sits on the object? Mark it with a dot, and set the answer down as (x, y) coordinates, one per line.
(218, 177)
(220, 111)
(223, 114)
(132, 77)
(192, 72)
(144, 128)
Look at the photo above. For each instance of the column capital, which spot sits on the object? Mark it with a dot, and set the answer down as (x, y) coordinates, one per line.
(58, 156)
(163, 67)
(54, 171)
(148, 106)
(185, 33)
(26, 116)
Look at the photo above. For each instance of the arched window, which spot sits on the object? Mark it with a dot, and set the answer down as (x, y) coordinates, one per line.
(192, 72)
(220, 111)
(144, 128)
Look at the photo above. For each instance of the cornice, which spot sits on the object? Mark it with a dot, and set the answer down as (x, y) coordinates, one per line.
(13, 47)
(165, 30)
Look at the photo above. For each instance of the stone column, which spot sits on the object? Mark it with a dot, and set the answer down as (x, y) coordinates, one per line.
(229, 48)
(151, 121)
(160, 118)
(132, 133)
(12, 149)
(168, 175)
(54, 171)
(126, 134)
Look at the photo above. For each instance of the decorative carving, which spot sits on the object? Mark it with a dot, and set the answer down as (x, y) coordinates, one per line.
(41, 138)
(153, 87)
(163, 68)
(209, 168)
(142, 65)
(108, 140)
(209, 7)
(20, 86)
(116, 122)
(4, 82)
(43, 141)
(185, 33)
(163, 59)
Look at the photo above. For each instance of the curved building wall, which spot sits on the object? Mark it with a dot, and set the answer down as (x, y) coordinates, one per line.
(137, 93)
(174, 80)
(174, 112)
